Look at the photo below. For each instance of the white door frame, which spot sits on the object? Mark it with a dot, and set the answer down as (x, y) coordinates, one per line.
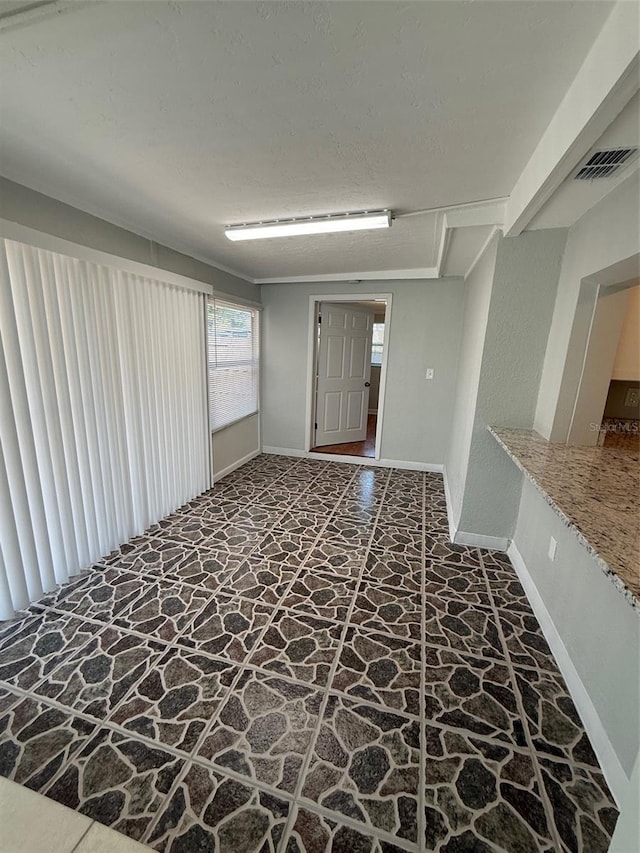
(312, 355)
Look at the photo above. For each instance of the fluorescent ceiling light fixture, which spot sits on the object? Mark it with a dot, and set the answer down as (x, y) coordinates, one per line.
(329, 224)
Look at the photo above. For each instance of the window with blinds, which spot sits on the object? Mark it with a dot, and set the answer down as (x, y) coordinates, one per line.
(233, 362)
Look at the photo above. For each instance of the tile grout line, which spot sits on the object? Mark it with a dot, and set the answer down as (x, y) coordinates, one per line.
(325, 700)
(422, 776)
(209, 726)
(548, 808)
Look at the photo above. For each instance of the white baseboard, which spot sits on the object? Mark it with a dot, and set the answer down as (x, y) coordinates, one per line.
(609, 762)
(234, 465)
(461, 537)
(479, 540)
(453, 527)
(432, 467)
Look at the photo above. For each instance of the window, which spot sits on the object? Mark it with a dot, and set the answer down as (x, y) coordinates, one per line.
(377, 343)
(232, 334)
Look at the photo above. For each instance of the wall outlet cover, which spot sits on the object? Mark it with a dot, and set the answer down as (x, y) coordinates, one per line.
(429, 373)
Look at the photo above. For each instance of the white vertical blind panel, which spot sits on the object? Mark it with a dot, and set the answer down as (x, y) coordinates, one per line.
(103, 413)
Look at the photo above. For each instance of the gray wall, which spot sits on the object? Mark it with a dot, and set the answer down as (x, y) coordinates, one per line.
(476, 310)
(598, 627)
(423, 331)
(522, 299)
(34, 210)
(606, 235)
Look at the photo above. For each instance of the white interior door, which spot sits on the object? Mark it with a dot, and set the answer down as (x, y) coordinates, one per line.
(344, 373)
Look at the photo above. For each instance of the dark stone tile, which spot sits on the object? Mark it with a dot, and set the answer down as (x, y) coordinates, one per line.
(43, 642)
(481, 796)
(554, 724)
(176, 700)
(365, 765)
(289, 548)
(260, 580)
(463, 627)
(316, 833)
(399, 540)
(264, 730)
(337, 559)
(396, 570)
(438, 548)
(209, 811)
(584, 811)
(388, 609)
(96, 678)
(381, 669)
(472, 693)
(118, 781)
(525, 641)
(228, 627)
(299, 646)
(321, 594)
(462, 584)
(102, 594)
(164, 610)
(36, 740)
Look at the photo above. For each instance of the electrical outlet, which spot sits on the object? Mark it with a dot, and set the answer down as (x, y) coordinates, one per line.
(633, 398)
(553, 546)
(429, 373)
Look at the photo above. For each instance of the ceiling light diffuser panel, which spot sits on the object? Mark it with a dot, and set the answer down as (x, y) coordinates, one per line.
(329, 224)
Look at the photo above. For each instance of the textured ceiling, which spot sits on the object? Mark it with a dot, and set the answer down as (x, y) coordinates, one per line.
(174, 119)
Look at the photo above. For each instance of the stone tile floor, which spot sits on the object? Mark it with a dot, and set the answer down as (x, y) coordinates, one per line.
(300, 660)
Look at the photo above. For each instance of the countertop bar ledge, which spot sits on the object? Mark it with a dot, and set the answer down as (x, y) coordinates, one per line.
(594, 490)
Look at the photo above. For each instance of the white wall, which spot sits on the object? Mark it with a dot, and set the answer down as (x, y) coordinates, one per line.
(477, 291)
(606, 235)
(597, 625)
(424, 331)
(627, 361)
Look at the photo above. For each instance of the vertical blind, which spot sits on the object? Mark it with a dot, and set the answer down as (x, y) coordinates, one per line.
(233, 348)
(103, 421)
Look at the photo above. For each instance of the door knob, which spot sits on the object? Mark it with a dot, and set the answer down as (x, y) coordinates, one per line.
(367, 385)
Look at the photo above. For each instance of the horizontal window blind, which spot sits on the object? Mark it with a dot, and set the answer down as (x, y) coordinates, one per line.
(233, 361)
(103, 419)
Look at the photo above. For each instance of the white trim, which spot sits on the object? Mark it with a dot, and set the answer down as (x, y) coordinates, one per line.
(433, 467)
(483, 249)
(372, 411)
(237, 464)
(312, 340)
(350, 277)
(447, 496)
(609, 762)
(479, 540)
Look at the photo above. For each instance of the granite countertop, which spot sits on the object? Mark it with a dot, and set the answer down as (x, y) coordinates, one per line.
(595, 491)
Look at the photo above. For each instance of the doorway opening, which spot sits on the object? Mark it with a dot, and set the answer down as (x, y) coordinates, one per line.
(348, 357)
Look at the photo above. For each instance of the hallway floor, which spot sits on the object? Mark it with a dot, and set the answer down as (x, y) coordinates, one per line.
(366, 448)
(300, 661)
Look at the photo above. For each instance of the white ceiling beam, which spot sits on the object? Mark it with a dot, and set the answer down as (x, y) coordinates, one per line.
(607, 80)
(373, 275)
(491, 213)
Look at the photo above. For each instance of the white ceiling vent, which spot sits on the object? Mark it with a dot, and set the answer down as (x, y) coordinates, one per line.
(603, 164)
